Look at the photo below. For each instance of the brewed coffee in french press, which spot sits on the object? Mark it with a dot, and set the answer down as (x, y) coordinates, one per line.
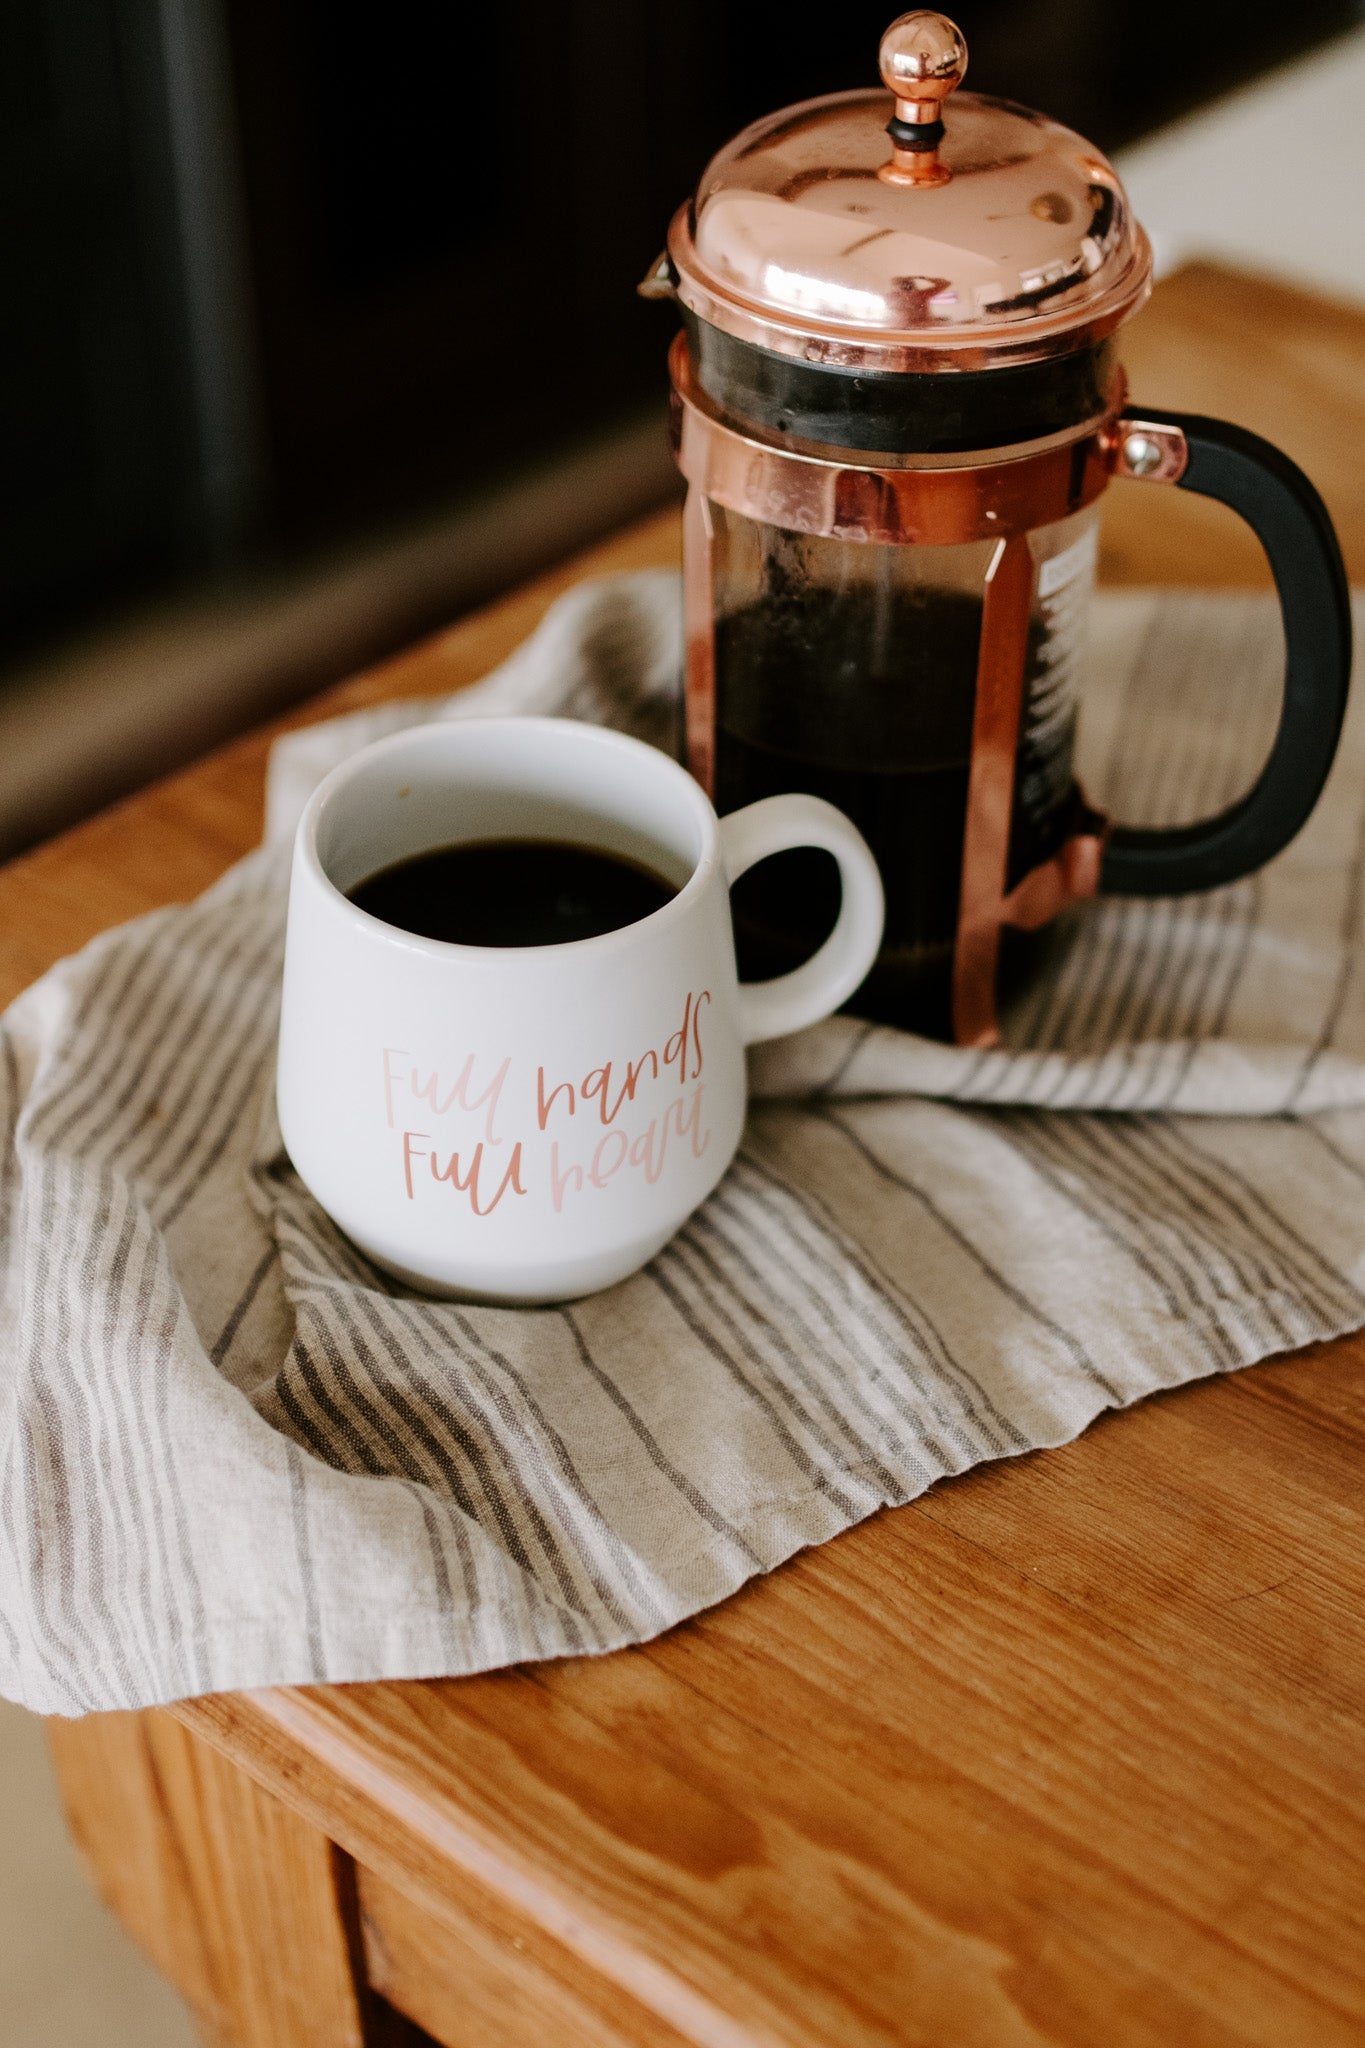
(897, 401)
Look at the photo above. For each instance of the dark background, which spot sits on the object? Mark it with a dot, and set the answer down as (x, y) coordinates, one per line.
(279, 271)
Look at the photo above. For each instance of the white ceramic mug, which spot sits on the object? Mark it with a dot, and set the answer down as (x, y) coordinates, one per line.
(527, 1124)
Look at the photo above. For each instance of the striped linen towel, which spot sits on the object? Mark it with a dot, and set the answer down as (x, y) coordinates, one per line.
(233, 1454)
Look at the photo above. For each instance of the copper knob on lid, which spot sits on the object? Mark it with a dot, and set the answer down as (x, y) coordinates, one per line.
(923, 58)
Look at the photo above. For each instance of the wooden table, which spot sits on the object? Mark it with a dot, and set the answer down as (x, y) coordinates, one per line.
(1068, 1751)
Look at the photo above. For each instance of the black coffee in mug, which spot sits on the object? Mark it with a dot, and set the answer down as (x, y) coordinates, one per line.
(513, 892)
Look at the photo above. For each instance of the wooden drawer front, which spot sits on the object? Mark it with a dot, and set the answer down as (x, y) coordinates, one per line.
(482, 1978)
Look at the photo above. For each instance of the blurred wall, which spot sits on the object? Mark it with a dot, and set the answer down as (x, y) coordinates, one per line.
(283, 271)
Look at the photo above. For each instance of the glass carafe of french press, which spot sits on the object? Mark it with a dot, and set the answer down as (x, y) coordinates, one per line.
(897, 401)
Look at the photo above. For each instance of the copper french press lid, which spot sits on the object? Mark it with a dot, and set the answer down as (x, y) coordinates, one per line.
(918, 228)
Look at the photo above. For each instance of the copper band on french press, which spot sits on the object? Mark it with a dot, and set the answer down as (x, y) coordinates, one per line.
(932, 502)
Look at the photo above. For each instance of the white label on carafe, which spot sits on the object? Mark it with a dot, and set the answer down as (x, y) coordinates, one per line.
(1077, 560)
(1064, 583)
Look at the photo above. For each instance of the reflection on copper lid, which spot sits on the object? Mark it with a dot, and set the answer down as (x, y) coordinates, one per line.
(799, 238)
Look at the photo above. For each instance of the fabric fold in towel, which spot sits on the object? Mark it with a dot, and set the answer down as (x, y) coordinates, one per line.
(233, 1454)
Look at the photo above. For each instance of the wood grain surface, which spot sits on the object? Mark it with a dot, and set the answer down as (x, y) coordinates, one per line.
(202, 1866)
(1069, 1751)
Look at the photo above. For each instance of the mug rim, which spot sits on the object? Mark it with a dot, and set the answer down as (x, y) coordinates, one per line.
(306, 836)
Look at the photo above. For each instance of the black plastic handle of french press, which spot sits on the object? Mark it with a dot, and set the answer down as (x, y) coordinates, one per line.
(1292, 524)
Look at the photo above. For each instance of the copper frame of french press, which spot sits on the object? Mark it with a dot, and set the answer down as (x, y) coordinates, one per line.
(999, 496)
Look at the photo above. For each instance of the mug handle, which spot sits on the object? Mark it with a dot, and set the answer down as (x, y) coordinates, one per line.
(772, 1009)
(1292, 524)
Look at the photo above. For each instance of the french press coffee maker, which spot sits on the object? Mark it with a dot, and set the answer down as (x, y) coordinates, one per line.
(897, 401)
